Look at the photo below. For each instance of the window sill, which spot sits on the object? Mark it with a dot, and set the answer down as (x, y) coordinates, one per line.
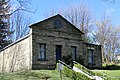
(42, 60)
(91, 63)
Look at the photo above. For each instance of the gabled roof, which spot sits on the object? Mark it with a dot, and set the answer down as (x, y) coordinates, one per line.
(58, 15)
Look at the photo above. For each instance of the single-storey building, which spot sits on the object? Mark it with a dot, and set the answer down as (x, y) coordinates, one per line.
(49, 41)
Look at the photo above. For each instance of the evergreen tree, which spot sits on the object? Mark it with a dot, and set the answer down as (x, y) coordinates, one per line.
(4, 23)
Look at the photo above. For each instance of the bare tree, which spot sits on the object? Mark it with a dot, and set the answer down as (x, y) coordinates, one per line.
(20, 23)
(103, 30)
(108, 36)
(20, 5)
(13, 13)
(114, 41)
(10, 8)
(79, 16)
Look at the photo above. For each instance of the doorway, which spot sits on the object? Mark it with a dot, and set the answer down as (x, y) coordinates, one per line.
(58, 52)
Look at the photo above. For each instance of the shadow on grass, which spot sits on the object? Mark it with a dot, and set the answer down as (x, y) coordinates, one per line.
(111, 67)
(108, 67)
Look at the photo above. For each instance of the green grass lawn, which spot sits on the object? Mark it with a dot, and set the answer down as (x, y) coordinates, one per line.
(53, 75)
(109, 74)
(33, 75)
(112, 74)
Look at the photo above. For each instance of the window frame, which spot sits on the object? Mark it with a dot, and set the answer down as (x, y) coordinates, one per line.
(91, 56)
(40, 51)
(75, 54)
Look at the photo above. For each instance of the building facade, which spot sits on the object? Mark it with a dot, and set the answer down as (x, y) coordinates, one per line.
(49, 41)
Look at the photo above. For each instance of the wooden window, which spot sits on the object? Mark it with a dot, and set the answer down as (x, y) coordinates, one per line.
(73, 52)
(90, 56)
(42, 52)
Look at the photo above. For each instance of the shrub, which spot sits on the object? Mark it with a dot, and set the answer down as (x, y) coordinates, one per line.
(74, 75)
(80, 60)
(112, 67)
(68, 60)
(101, 75)
(67, 72)
(84, 69)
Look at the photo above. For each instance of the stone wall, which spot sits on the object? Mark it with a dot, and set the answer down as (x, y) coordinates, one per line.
(16, 56)
(97, 55)
(66, 36)
(46, 33)
(24, 53)
(51, 42)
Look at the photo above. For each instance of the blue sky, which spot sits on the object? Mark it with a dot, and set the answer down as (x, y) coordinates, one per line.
(96, 7)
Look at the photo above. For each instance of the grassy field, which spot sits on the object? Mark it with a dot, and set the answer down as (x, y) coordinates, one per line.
(33, 75)
(112, 74)
(51, 75)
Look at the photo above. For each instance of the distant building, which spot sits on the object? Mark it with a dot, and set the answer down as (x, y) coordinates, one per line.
(49, 41)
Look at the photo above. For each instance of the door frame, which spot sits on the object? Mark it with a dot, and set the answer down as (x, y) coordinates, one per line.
(58, 52)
